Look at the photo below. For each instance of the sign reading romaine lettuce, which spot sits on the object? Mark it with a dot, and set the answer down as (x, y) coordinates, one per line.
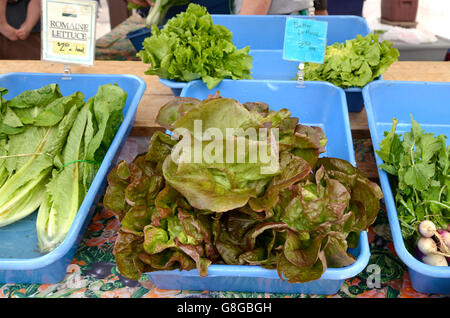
(68, 33)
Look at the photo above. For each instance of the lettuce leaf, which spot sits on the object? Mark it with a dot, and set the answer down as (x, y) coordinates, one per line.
(31, 176)
(68, 185)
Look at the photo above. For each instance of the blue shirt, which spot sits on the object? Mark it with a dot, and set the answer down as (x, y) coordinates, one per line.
(213, 7)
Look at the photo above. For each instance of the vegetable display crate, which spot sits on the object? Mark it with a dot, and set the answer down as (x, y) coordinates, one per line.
(428, 102)
(20, 259)
(316, 104)
(265, 36)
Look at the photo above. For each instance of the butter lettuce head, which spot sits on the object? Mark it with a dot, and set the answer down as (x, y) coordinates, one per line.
(299, 219)
(354, 63)
(190, 46)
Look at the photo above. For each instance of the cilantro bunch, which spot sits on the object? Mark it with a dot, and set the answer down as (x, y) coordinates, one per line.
(419, 168)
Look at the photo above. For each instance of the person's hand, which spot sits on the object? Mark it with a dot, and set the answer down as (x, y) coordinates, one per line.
(142, 3)
(8, 31)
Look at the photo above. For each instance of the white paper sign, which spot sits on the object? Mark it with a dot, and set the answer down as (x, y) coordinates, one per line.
(68, 31)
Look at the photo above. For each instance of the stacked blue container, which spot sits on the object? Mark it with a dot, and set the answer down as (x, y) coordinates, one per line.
(265, 36)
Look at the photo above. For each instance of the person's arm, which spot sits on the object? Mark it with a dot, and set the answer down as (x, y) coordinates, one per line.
(255, 7)
(5, 29)
(33, 16)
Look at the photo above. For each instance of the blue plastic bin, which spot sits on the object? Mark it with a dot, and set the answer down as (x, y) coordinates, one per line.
(20, 259)
(428, 102)
(265, 36)
(269, 65)
(138, 36)
(319, 104)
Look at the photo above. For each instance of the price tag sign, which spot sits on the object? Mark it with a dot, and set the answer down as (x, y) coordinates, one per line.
(305, 40)
(68, 31)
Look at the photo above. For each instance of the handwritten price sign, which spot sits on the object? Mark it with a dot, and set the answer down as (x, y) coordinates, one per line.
(305, 40)
(69, 48)
(68, 35)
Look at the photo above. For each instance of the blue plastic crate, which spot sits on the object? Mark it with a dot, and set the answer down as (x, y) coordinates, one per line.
(319, 104)
(138, 36)
(269, 65)
(265, 36)
(20, 259)
(428, 102)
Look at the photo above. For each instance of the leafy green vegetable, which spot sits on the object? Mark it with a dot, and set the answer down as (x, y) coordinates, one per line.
(419, 169)
(50, 147)
(190, 46)
(29, 178)
(354, 63)
(9, 123)
(63, 196)
(298, 217)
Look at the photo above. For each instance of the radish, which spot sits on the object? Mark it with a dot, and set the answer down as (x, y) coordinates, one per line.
(435, 260)
(427, 228)
(443, 237)
(419, 254)
(427, 246)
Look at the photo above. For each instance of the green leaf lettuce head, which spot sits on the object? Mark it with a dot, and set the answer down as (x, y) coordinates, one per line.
(190, 46)
(419, 170)
(354, 63)
(299, 218)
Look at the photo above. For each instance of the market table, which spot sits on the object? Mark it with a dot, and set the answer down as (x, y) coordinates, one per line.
(93, 272)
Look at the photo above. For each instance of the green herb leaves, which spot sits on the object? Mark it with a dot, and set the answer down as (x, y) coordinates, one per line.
(419, 165)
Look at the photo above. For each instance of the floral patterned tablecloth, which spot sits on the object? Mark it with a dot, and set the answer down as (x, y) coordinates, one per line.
(93, 273)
